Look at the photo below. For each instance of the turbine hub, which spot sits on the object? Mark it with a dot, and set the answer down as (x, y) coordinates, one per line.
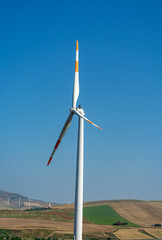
(80, 110)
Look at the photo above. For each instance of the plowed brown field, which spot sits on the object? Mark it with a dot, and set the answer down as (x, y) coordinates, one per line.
(139, 212)
(60, 227)
(57, 226)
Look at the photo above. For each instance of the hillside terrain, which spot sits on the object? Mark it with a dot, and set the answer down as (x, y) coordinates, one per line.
(143, 213)
(10, 200)
(117, 219)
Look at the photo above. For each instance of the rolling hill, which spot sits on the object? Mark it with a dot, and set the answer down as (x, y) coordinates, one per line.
(143, 213)
(10, 200)
(99, 218)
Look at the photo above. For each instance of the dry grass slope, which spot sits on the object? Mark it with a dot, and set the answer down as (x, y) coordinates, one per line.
(143, 213)
(155, 232)
(140, 212)
(131, 234)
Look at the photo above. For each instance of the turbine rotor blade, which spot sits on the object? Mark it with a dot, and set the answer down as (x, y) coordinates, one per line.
(80, 115)
(76, 79)
(64, 130)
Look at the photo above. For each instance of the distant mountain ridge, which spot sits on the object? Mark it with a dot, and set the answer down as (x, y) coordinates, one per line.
(10, 200)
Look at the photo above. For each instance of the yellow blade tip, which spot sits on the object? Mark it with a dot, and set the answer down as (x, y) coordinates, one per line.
(77, 46)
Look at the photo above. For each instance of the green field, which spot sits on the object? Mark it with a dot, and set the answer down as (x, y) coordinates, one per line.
(53, 214)
(104, 214)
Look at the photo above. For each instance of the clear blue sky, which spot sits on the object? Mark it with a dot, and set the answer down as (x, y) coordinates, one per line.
(120, 90)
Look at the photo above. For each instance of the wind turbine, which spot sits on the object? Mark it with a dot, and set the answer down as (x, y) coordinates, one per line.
(79, 169)
(29, 203)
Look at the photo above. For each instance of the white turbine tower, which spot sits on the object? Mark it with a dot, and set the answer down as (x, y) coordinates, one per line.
(29, 203)
(79, 169)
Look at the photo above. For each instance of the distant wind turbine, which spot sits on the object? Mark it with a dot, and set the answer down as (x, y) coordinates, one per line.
(29, 203)
(79, 170)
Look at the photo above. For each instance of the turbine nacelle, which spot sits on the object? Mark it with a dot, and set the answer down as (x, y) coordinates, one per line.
(79, 110)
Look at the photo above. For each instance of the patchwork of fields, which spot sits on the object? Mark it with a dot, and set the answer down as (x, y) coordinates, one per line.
(103, 214)
(99, 218)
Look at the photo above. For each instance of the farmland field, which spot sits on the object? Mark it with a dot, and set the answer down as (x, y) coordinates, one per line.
(96, 214)
(53, 214)
(104, 214)
(144, 213)
(132, 234)
(98, 221)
